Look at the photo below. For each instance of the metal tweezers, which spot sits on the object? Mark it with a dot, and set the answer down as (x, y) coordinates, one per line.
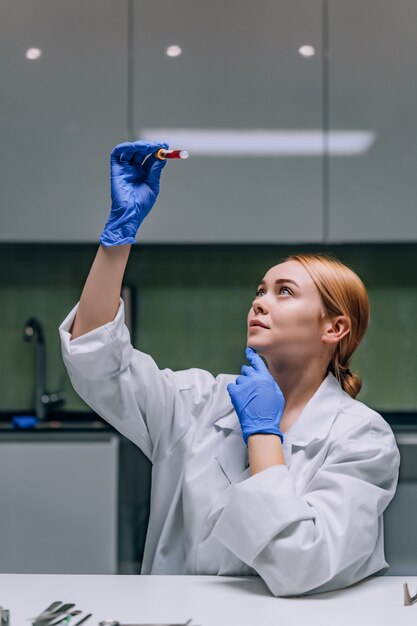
(408, 600)
(116, 623)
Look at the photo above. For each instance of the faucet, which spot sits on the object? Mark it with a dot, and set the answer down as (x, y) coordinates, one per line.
(43, 400)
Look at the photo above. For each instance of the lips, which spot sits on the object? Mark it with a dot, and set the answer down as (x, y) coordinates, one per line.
(257, 323)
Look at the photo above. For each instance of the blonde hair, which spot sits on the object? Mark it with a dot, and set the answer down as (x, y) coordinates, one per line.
(342, 293)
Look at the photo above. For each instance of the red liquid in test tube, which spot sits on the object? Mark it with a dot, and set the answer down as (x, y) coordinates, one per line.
(171, 154)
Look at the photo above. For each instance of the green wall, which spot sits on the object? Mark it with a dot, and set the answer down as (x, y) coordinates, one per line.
(191, 308)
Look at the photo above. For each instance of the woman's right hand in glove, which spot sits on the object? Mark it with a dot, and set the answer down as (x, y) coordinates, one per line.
(134, 189)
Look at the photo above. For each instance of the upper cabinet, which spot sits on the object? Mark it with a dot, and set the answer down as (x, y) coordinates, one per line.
(246, 104)
(240, 86)
(373, 92)
(61, 114)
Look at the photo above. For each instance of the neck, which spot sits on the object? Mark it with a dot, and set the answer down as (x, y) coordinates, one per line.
(298, 384)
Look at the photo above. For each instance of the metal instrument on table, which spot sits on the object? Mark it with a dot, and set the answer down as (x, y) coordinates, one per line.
(408, 600)
(59, 613)
(4, 616)
(111, 622)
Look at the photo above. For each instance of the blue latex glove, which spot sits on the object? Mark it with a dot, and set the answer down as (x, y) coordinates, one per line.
(257, 398)
(134, 189)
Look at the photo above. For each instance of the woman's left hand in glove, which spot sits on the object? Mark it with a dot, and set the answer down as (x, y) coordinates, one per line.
(257, 398)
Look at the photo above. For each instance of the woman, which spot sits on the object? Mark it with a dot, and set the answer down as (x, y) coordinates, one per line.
(278, 472)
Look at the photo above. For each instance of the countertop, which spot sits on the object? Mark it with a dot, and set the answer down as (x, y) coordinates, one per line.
(208, 600)
(58, 421)
(64, 421)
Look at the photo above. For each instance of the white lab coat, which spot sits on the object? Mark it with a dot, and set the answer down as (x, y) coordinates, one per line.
(314, 524)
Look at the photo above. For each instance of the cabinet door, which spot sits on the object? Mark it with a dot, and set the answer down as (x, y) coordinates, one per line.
(60, 116)
(373, 88)
(59, 504)
(399, 517)
(240, 72)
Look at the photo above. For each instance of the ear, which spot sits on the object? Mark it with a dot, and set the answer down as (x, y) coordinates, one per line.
(334, 328)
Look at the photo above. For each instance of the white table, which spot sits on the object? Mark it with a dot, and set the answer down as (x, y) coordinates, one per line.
(209, 600)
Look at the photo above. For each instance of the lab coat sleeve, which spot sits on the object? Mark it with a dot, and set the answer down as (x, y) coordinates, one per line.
(300, 542)
(153, 408)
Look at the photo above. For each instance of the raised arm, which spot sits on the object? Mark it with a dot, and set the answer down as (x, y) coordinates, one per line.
(100, 297)
(135, 182)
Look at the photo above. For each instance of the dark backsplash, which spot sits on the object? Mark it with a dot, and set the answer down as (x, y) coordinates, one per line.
(190, 308)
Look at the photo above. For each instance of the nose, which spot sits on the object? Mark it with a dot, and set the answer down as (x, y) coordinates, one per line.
(259, 305)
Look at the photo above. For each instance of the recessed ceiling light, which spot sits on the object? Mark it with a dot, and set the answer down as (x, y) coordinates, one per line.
(33, 53)
(307, 51)
(173, 51)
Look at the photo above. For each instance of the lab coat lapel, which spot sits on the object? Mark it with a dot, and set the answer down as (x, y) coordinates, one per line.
(232, 454)
(318, 415)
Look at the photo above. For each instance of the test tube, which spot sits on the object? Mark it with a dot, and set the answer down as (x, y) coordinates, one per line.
(163, 154)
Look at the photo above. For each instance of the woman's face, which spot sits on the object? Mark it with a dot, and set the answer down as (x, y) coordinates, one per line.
(288, 303)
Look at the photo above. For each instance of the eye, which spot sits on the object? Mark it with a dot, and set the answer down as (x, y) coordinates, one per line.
(286, 289)
(258, 292)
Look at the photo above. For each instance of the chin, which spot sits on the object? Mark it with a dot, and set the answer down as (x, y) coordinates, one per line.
(252, 344)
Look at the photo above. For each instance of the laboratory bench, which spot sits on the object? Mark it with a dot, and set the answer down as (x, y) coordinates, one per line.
(206, 601)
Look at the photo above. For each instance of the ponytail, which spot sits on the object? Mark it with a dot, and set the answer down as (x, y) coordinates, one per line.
(349, 381)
